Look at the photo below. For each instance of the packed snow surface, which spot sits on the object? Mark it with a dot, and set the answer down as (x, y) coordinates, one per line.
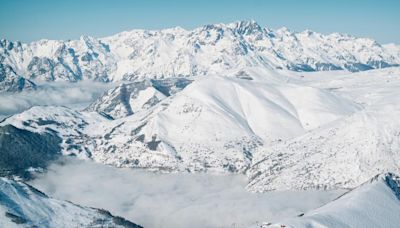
(374, 204)
(343, 153)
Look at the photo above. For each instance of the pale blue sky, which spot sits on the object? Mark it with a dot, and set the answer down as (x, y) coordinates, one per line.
(29, 20)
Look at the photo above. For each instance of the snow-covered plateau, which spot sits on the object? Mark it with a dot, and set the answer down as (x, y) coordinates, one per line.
(284, 112)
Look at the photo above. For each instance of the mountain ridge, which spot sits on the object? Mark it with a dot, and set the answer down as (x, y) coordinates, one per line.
(374, 203)
(22, 205)
(176, 52)
(187, 130)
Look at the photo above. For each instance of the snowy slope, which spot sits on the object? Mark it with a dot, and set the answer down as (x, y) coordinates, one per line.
(376, 203)
(21, 205)
(191, 127)
(75, 129)
(343, 153)
(11, 82)
(188, 131)
(176, 52)
(394, 49)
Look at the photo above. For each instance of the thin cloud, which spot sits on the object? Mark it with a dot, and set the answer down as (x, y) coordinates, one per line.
(75, 95)
(172, 200)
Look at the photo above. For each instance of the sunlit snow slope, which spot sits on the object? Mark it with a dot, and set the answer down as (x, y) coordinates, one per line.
(376, 203)
(215, 123)
(343, 153)
(21, 205)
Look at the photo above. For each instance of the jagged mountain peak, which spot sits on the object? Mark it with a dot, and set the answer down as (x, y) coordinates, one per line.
(243, 27)
(246, 27)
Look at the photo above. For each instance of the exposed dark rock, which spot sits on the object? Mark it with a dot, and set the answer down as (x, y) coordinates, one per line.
(22, 149)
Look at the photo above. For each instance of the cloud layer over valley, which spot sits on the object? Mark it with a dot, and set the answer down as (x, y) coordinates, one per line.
(172, 200)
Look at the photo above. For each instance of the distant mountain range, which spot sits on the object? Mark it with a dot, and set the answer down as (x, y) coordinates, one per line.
(176, 52)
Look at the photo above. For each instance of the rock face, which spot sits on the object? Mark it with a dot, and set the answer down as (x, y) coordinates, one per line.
(129, 98)
(11, 82)
(21, 205)
(375, 203)
(211, 49)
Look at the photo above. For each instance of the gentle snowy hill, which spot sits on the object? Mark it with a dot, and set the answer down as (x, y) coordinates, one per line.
(21, 205)
(175, 52)
(374, 204)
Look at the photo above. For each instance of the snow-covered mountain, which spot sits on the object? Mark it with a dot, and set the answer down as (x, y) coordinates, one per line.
(188, 131)
(71, 130)
(52, 60)
(129, 98)
(376, 203)
(343, 153)
(11, 82)
(176, 52)
(286, 131)
(21, 150)
(21, 205)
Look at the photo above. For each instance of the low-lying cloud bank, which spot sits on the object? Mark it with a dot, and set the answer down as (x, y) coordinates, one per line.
(55, 93)
(172, 200)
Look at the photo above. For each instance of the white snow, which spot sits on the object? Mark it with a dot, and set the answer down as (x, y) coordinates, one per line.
(374, 204)
(188, 131)
(31, 208)
(255, 110)
(286, 130)
(343, 153)
(211, 49)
